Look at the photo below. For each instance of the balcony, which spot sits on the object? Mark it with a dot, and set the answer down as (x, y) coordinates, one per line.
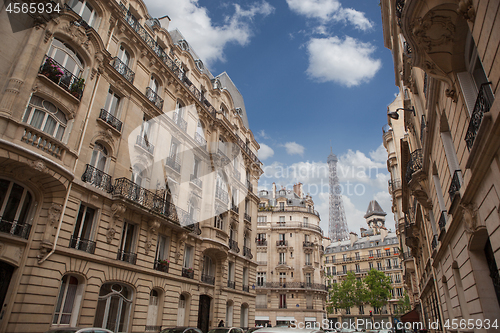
(200, 140)
(292, 209)
(247, 217)
(434, 242)
(307, 244)
(281, 243)
(308, 264)
(187, 273)
(249, 186)
(208, 279)
(233, 245)
(143, 142)
(44, 142)
(481, 107)
(196, 181)
(247, 252)
(395, 185)
(174, 163)
(129, 257)
(235, 208)
(65, 79)
(14, 228)
(221, 156)
(123, 70)
(455, 184)
(442, 220)
(111, 120)
(414, 165)
(246, 288)
(231, 284)
(82, 244)
(236, 174)
(161, 265)
(98, 178)
(293, 285)
(153, 97)
(295, 225)
(181, 123)
(222, 195)
(261, 242)
(194, 228)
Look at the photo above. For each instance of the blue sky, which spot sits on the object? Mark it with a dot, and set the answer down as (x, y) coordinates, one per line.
(313, 73)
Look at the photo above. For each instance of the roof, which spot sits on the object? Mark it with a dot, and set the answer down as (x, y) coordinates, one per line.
(291, 197)
(334, 247)
(374, 209)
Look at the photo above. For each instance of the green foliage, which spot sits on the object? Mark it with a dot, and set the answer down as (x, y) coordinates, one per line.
(403, 305)
(346, 294)
(377, 288)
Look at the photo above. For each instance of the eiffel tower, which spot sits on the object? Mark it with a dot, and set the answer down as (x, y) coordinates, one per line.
(337, 224)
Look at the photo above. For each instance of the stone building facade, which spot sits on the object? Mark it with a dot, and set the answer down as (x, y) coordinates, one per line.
(446, 125)
(290, 282)
(377, 248)
(127, 175)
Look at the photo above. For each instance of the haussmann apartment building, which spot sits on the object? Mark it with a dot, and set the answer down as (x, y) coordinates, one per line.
(127, 177)
(443, 143)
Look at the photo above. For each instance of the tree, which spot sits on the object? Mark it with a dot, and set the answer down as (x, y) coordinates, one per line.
(377, 288)
(404, 304)
(345, 294)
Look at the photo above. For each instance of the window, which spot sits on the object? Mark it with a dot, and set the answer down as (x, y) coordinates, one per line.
(308, 259)
(399, 292)
(208, 267)
(85, 10)
(282, 219)
(397, 278)
(344, 269)
(370, 265)
(282, 278)
(162, 248)
(282, 301)
(387, 252)
(379, 253)
(344, 257)
(113, 307)
(219, 222)
(379, 266)
(154, 85)
(45, 116)
(334, 270)
(388, 263)
(262, 219)
(127, 245)
(245, 276)
(99, 157)
(370, 253)
(82, 234)
(361, 309)
(282, 260)
(358, 270)
(261, 237)
(328, 271)
(230, 271)
(145, 129)
(188, 257)
(282, 206)
(66, 56)
(333, 259)
(357, 255)
(308, 278)
(261, 279)
(66, 311)
(306, 221)
(112, 103)
(247, 206)
(396, 250)
(15, 203)
(395, 262)
(124, 56)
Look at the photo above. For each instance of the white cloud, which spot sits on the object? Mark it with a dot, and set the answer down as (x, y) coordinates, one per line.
(263, 134)
(265, 152)
(348, 62)
(330, 11)
(380, 154)
(293, 148)
(207, 38)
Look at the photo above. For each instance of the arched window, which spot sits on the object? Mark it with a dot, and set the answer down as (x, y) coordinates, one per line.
(244, 315)
(85, 10)
(153, 308)
(229, 313)
(154, 84)
(15, 204)
(181, 311)
(68, 305)
(113, 307)
(66, 56)
(219, 222)
(124, 55)
(208, 273)
(46, 117)
(99, 157)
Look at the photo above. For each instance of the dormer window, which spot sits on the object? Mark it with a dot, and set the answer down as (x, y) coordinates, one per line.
(85, 10)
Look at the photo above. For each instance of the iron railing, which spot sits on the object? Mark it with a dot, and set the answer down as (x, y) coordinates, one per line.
(174, 163)
(261, 242)
(399, 10)
(231, 284)
(82, 244)
(65, 79)
(246, 288)
(307, 244)
(415, 164)
(145, 144)
(442, 220)
(111, 120)
(200, 140)
(233, 245)
(123, 69)
(129, 257)
(180, 122)
(98, 178)
(455, 184)
(293, 285)
(481, 107)
(249, 186)
(235, 208)
(194, 228)
(15, 229)
(290, 209)
(153, 97)
(187, 273)
(247, 252)
(247, 217)
(197, 181)
(281, 243)
(208, 279)
(161, 266)
(294, 225)
(221, 194)
(434, 242)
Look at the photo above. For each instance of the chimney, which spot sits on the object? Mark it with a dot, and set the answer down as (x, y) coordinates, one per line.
(301, 190)
(274, 190)
(297, 188)
(353, 237)
(164, 21)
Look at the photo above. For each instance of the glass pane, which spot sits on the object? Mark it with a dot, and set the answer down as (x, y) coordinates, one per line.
(99, 313)
(76, 5)
(87, 13)
(59, 56)
(87, 223)
(27, 114)
(128, 238)
(101, 162)
(4, 186)
(60, 132)
(37, 119)
(78, 224)
(113, 313)
(13, 203)
(59, 299)
(25, 209)
(123, 317)
(115, 100)
(50, 125)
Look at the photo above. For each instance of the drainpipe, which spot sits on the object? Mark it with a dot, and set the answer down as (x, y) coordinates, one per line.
(41, 260)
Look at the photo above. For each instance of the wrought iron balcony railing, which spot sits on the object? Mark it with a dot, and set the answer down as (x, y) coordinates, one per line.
(455, 184)
(153, 97)
(442, 220)
(481, 107)
(180, 122)
(261, 242)
(235, 208)
(307, 244)
(415, 164)
(246, 288)
(123, 70)
(98, 178)
(233, 245)
(247, 252)
(187, 272)
(289, 209)
(281, 243)
(129, 257)
(197, 181)
(161, 265)
(111, 120)
(200, 140)
(145, 144)
(82, 244)
(65, 79)
(221, 194)
(231, 284)
(174, 162)
(208, 279)
(247, 217)
(194, 228)
(434, 242)
(15, 229)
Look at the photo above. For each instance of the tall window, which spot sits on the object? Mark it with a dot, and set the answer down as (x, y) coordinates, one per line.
(113, 307)
(66, 56)
(45, 116)
(112, 103)
(162, 248)
(379, 266)
(82, 234)
(308, 278)
(99, 157)
(245, 276)
(66, 311)
(261, 279)
(153, 84)
(208, 266)
(230, 271)
(127, 244)
(308, 259)
(146, 129)
(15, 203)
(85, 10)
(188, 257)
(306, 221)
(219, 222)
(124, 56)
(282, 277)
(282, 302)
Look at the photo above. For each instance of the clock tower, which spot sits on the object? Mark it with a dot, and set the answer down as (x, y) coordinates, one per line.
(375, 216)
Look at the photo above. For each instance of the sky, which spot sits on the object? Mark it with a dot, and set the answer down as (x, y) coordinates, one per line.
(315, 77)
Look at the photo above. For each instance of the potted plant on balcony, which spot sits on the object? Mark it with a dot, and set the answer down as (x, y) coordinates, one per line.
(77, 87)
(164, 262)
(51, 70)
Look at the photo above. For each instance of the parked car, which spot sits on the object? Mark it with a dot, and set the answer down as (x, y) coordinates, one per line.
(286, 329)
(252, 329)
(226, 330)
(183, 329)
(78, 330)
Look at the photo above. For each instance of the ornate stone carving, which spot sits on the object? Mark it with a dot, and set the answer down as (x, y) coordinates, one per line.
(180, 242)
(118, 210)
(153, 226)
(466, 9)
(469, 212)
(53, 215)
(451, 93)
(48, 35)
(38, 165)
(77, 33)
(433, 30)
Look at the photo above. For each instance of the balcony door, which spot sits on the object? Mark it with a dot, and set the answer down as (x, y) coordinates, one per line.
(66, 56)
(99, 157)
(124, 56)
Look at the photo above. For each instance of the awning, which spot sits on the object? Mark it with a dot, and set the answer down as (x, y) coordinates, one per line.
(285, 318)
(262, 318)
(310, 319)
(410, 317)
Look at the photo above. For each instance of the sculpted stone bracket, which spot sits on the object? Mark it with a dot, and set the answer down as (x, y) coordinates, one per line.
(118, 211)
(153, 226)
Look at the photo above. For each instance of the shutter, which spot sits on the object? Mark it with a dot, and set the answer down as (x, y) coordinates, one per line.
(469, 89)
